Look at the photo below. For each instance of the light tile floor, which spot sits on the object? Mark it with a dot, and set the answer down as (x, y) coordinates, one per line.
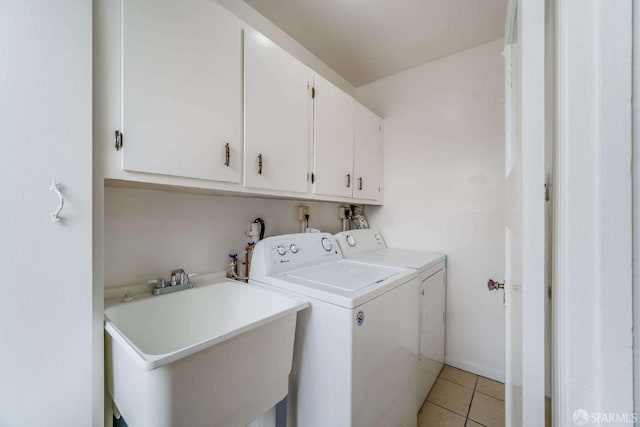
(460, 398)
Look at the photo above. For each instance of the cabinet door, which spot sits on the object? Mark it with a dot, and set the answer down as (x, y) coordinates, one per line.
(182, 89)
(333, 143)
(368, 155)
(278, 116)
(51, 326)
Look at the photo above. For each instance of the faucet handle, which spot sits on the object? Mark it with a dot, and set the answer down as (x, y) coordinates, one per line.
(159, 282)
(185, 277)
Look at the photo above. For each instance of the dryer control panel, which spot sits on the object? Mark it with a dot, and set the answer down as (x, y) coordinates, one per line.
(278, 254)
(354, 242)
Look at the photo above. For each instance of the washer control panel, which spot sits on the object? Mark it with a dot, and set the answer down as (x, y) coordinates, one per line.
(327, 245)
(291, 251)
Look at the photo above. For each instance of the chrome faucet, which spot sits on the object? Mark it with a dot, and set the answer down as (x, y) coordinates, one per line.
(161, 286)
(184, 277)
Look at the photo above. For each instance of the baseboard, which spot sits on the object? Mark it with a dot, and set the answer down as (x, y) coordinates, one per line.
(475, 369)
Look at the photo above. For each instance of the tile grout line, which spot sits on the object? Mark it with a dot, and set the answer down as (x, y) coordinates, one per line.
(473, 389)
(488, 395)
(475, 385)
(442, 407)
(439, 377)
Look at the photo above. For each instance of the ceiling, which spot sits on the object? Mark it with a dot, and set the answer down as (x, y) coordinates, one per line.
(366, 40)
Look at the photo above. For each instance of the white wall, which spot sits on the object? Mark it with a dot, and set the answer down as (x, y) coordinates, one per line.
(148, 233)
(444, 174)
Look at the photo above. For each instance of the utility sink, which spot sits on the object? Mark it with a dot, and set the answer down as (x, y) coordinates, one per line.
(215, 355)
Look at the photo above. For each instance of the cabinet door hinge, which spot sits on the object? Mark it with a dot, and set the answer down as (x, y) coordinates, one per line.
(547, 185)
(119, 140)
(313, 92)
(313, 178)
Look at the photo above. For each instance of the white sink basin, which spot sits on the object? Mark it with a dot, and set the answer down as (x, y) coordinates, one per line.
(214, 355)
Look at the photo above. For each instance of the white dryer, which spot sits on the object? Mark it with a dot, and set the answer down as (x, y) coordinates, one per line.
(356, 349)
(368, 247)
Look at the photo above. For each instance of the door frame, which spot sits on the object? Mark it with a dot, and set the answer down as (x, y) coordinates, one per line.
(636, 206)
(526, 29)
(592, 243)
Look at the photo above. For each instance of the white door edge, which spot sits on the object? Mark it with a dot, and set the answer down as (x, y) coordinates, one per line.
(533, 209)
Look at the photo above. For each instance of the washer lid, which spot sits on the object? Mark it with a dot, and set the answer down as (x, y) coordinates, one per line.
(343, 276)
(342, 283)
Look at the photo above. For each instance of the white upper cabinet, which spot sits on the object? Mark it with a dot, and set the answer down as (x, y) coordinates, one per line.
(333, 142)
(278, 116)
(205, 101)
(368, 155)
(182, 89)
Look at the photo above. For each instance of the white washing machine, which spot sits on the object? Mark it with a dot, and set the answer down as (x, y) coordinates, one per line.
(356, 349)
(368, 247)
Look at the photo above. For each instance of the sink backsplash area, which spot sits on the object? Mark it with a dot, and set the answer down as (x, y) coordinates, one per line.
(149, 232)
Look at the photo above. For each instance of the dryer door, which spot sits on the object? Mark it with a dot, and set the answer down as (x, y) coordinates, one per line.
(432, 325)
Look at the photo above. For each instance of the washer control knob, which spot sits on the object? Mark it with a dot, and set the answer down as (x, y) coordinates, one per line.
(281, 250)
(351, 240)
(377, 236)
(326, 244)
(293, 248)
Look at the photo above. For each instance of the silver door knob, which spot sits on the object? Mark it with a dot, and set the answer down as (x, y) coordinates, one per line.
(494, 285)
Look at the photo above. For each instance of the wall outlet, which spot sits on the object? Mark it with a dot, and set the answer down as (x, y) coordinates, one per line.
(304, 210)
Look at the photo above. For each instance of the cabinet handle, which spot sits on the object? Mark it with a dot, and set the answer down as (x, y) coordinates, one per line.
(227, 155)
(348, 180)
(360, 183)
(55, 187)
(260, 164)
(119, 138)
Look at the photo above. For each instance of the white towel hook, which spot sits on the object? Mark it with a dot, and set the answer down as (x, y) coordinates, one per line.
(55, 187)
